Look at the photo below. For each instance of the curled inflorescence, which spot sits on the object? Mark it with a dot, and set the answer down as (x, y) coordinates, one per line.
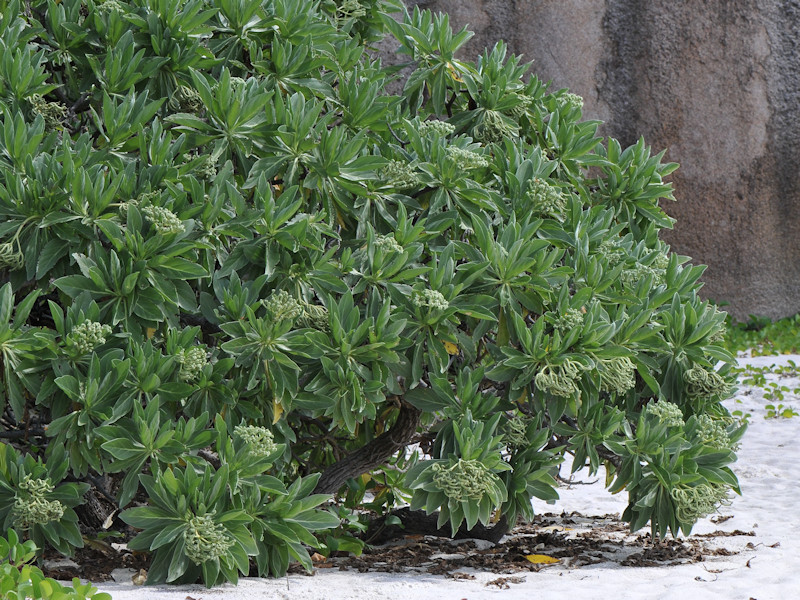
(53, 113)
(11, 256)
(463, 480)
(283, 306)
(163, 220)
(388, 244)
(701, 383)
(204, 539)
(515, 432)
(545, 199)
(696, 502)
(568, 320)
(560, 380)
(667, 413)
(494, 128)
(87, 336)
(186, 99)
(432, 299)
(30, 505)
(192, 362)
(259, 439)
(315, 317)
(436, 127)
(399, 174)
(616, 374)
(521, 109)
(466, 159)
(350, 9)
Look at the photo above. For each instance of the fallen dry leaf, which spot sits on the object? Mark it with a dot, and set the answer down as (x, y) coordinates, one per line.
(541, 559)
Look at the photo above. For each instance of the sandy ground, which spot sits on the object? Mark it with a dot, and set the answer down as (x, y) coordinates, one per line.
(763, 566)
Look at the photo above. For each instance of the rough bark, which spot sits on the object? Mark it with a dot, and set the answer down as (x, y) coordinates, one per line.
(373, 454)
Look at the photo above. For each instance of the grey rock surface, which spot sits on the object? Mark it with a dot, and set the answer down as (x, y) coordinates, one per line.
(717, 83)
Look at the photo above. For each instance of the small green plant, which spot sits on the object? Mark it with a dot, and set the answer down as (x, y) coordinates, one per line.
(780, 411)
(21, 580)
(762, 336)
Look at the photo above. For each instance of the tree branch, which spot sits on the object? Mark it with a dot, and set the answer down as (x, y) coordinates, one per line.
(374, 454)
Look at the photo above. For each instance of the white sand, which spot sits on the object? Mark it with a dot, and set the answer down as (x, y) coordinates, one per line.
(765, 566)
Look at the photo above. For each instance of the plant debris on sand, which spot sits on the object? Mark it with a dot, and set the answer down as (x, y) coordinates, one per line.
(574, 539)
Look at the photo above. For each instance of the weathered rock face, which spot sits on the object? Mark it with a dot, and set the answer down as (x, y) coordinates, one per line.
(717, 83)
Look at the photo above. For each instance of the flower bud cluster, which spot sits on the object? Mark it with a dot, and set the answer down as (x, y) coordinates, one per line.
(493, 128)
(704, 384)
(631, 277)
(560, 380)
(204, 539)
(436, 127)
(207, 169)
(616, 374)
(545, 199)
(568, 320)
(260, 439)
(713, 433)
(667, 413)
(111, 6)
(611, 252)
(30, 505)
(388, 244)
(569, 100)
(163, 220)
(53, 113)
(466, 159)
(661, 262)
(695, 502)
(87, 336)
(432, 299)
(282, 306)
(399, 174)
(192, 362)
(463, 480)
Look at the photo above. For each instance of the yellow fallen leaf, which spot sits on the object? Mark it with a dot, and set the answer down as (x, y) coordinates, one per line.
(541, 559)
(150, 332)
(451, 348)
(556, 528)
(277, 411)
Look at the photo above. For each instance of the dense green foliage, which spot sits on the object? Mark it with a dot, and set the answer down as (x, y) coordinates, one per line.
(233, 258)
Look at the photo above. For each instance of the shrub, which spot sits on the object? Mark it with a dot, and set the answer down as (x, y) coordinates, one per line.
(241, 278)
